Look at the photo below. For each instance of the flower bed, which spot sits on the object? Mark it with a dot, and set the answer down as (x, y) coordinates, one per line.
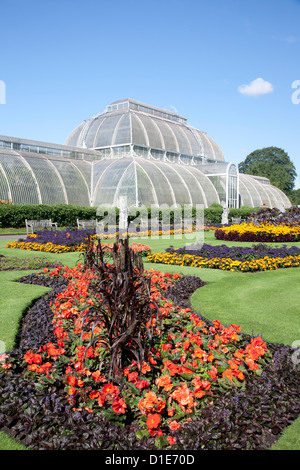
(236, 253)
(165, 379)
(66, 241)
(37, 411)
(265, 232)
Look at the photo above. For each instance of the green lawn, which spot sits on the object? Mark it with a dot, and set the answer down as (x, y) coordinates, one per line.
(267, 303)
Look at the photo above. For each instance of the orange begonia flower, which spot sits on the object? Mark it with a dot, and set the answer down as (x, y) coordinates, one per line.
(174, 425)
(165, 382)
(183, 396)
(94, 394)
(153, 421)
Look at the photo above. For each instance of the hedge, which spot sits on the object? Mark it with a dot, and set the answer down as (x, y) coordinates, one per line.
(14, 215)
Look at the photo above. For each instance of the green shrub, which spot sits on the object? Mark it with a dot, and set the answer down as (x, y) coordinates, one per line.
(214, 213)
(243, 212)
(63, 214)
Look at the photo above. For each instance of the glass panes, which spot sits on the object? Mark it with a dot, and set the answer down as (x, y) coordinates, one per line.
(219, 183)
(139, 134)
(121, 151)
(206, 146)
(157, 154)
(246, 199)
(106, 187)
(253, 190)
(86, 170)
(153, 133)
(4, 188)
(49, 184)
(146, 193)
(73, 139)
(195, 182)
(163, 189)
(89, 136)
(169, 139)
(127, 186)
(183, 144)
(5, 145)
(98, 169)
(193, 142)
(122, 134)
(141, 151)
(74, 183)
(20, 179)
(177, 181)
(105, 133)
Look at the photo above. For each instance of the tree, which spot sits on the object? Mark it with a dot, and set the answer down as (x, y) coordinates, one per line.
(294, 197)
(273, 163)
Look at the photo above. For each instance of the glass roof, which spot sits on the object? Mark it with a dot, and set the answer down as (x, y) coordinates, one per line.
(130, 122)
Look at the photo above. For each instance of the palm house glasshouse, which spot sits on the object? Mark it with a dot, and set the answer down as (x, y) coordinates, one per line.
(150, 155)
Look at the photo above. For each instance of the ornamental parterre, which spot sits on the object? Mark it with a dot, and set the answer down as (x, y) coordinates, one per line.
(186, 362)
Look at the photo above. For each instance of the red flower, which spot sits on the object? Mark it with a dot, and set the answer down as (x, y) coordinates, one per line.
(171, 440)
(142, 384)
(110, 389)
(119, 405)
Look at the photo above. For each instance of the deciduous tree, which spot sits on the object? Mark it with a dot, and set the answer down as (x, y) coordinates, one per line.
(273, 163)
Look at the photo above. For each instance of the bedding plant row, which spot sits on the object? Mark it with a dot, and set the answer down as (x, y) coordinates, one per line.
(119, 365)
(66, 241)
(259, 257)
(264, 232)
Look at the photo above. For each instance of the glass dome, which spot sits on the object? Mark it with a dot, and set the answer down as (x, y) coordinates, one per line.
(137, 127)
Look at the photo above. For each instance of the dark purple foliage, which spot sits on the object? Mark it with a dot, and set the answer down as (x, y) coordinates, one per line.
(275, 216)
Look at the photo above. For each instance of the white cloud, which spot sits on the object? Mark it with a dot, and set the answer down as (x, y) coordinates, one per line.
(257, 87)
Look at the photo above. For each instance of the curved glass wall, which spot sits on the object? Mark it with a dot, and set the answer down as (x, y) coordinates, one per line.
(253, 193)
(149, 182)
(47, 180)
(33, 179)
(21, 182)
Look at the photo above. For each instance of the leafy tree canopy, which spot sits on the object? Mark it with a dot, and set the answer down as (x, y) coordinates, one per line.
(273, 163)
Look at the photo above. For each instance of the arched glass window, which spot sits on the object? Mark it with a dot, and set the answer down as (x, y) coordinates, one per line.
(232, 186)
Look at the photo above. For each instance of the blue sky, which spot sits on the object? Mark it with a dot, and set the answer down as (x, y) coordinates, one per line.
(228, 66)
